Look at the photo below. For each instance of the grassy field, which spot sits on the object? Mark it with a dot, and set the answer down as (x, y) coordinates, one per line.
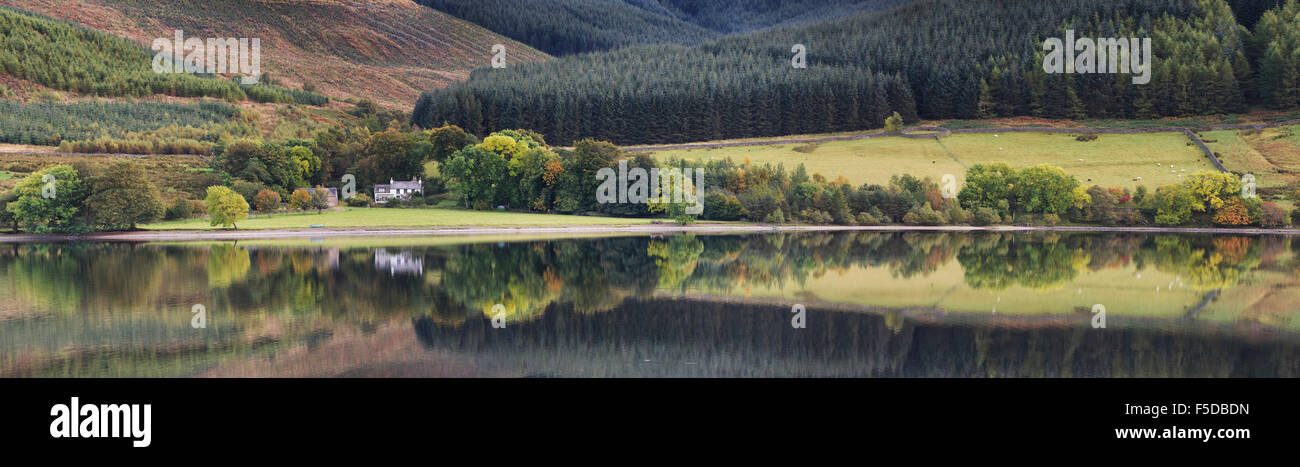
(383, 217)
(1111, 160)
(1272, 155)
(1127, 293)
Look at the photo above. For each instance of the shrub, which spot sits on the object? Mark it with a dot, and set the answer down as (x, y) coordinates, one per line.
(181, 209)
(1273, 216)
(359, 200)
(923, 214)
(1051, 219)
(986, 216)
(894, 123)
(1233, 212)
(320, 199)
(1086, 137)
(198, 207)
(814, 216)
(722, 206)
(299, 200)
(865, 218)
(776, 217)
(957, 215)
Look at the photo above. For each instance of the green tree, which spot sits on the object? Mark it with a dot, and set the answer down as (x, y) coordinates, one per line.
(1044, 189)
(1173, 204)
(477, 173)
(446, 140)
(50, 201)
(392, 154)
(235, 157)
(225, 207)
(894, 123)
(986, 185)
(123, 197)
(309, 164)
(320, 199)
(8, 218)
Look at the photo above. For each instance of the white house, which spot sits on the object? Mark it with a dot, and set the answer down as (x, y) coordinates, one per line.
(395, 189)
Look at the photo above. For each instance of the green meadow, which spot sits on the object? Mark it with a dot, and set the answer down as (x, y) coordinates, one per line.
(1110, 160)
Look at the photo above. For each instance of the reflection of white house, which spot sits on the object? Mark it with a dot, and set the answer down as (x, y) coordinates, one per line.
(395, 189)
(401, 263)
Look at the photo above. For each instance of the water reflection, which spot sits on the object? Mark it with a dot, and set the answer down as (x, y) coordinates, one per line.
(879, 304)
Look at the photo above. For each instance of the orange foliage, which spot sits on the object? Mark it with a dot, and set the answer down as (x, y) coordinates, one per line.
(1233, 212)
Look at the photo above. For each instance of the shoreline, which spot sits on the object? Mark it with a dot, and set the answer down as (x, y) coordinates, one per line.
(650, 229)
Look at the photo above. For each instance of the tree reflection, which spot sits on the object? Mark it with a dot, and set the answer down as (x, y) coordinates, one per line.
(274, 297)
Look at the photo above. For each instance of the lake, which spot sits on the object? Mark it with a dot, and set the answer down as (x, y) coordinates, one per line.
(844, 304)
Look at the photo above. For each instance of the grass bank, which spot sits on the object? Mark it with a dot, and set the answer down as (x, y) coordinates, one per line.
(386, 217)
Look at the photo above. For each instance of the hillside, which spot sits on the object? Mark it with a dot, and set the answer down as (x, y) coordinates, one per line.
(383, 50)
(564, 27)
(737, 16)
(936, 59)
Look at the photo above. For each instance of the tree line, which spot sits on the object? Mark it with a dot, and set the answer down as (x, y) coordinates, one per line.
(516, 169)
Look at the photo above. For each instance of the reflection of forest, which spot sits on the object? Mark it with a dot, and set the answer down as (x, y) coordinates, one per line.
(670, 338)
(68, 304)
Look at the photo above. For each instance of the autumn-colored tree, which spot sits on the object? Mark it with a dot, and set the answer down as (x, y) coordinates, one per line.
(1212, 188)
(267, 200)
(299, 200)
(1232, 212)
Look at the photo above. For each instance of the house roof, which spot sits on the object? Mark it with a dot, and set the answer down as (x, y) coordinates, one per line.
(396, 185)
(331, 191)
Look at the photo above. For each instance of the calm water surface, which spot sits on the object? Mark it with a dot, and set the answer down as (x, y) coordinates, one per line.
(877, 305)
